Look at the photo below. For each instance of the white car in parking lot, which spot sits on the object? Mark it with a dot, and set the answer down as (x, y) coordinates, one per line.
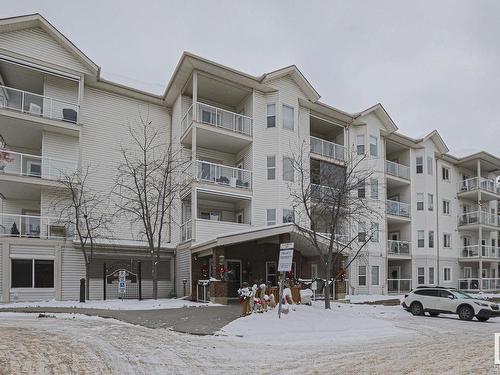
(439, 300)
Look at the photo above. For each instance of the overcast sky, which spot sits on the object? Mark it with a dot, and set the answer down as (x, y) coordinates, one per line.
(433, 65)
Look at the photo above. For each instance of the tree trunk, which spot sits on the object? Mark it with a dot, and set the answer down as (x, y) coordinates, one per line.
(327, 286)
(87, 281)
(154, 276)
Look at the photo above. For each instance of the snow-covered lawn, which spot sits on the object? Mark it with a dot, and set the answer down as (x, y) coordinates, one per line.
(127, 304)
(360, 298)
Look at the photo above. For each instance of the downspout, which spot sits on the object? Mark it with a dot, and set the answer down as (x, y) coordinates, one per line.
(437, 221)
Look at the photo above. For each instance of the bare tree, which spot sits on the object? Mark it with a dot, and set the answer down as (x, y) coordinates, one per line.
(149, 178)
(328, 199)
(83, 210)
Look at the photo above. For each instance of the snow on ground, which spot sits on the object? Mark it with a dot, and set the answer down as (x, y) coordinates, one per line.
(360, 298)
(314, 325)
(127, 304)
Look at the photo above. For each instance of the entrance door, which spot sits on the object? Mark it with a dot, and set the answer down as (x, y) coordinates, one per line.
(233, 276)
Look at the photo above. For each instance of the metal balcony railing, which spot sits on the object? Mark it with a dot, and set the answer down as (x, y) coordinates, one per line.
(398, 285)
(476, 183)
(398, 170)
(475, 283)
(398, 208)
(32, 227)
(38, 105)
(221, 118)
(478, 217)
(398, 247)
(326, 148)
(223, 175)
(35, 166)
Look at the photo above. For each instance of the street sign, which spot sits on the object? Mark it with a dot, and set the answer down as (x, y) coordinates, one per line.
(285, 261)
(286, 246)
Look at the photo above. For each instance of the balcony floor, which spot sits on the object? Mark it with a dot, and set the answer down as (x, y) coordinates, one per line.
(214, 138)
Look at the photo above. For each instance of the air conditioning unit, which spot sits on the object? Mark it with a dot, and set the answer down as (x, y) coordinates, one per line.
(35, 109)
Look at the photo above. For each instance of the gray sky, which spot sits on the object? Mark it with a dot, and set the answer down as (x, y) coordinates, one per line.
(432, 64)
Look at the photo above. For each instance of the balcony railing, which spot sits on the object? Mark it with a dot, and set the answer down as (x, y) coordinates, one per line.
(398, 285)
(398, 208)
(32, 227)
(323, 193)
(476, 183)
(221, 118)
(187, 230)
(35, 166)
(398, 247)
(38, 105)
(328, 149)
(474, 283)
(223, 175)
(477, 251)
(398, 170)
(478, 217)
(471, 251)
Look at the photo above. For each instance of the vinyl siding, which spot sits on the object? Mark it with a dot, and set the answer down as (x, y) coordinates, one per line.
(183, 269)
(73, 269)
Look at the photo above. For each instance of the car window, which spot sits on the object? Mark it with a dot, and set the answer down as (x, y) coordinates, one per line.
(444, 294)
(428, 292)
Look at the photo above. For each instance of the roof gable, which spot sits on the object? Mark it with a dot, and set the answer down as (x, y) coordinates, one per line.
(22, 35)
(381, 114)
(296, 75)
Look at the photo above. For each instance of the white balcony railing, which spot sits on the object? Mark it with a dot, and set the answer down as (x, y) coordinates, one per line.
(223, 175)
(476, 183)
(398, 208)
(398, 170)
(38, 105)
(478, 217)
(490, 283)
(477, 251)
(398, 285)
(398, 247)
(35, 166)
(471, 251)
(32, 227)
(187, 230)
(221, 118)
(474, 283)
(328, 149)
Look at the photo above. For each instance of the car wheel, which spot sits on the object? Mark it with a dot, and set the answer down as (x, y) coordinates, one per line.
(466, 312)
(482, 319)
(433, 314)
(417, 309)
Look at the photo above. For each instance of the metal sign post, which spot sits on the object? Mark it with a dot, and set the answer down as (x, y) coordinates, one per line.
(284, 265)
(122, 284)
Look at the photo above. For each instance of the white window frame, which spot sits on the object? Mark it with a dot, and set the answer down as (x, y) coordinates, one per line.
(360, 275)
(445, 236)
(420, 238)
(419, 162)
(377, 273)
(269, 168)
(360, 144)
(375, 144)
(420, 200)
(445, 174)
(289, 211)
(33, 260)
(420, 275)
(444, 274)
(268, 115)
(271, 222)
(283, 117)
(446, 204)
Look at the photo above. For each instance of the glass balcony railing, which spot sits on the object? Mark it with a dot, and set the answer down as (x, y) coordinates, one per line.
(398, 247)
(33, 227)
(477, 183)
(398, 208)
(478, 217)
(397, 170)
(223, 175)
(328, 149)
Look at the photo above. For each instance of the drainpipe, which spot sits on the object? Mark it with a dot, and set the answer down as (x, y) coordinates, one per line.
(436, 174)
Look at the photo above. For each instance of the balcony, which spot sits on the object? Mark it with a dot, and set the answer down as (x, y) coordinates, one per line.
(476, 251)
(187, 230)
(16, 163)
(398, 248)
(399, 209)
(38, 105)
(398, 285)
(327, 149)
(478, 218)
(477, 183)
(217, 117)
(472, 284)
(27, 226)
(397, 170)
(223, 175)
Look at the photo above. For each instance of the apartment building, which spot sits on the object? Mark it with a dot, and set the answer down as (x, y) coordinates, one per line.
(438, 213)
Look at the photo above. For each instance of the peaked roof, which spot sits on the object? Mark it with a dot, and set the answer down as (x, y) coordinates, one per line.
(36, 20)
(297, 76)
(438, 141)
(381, 113)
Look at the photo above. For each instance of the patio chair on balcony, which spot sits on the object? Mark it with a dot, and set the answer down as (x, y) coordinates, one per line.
(223, 180)
(69, 115)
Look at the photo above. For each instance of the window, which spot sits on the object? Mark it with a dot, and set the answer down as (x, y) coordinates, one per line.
(374, 232)
(447, 273)
(430, 165)
(430, 202)
(362, 275)
(431, 239)
(447, 240)
(420, 164)
(361, 232)
(32, 273)
(446, 174)
(360, 144)
(288, 174)
(373, 146)
(374, 188)
(361, 189)
(210, 215)
(428, 292)
(431, 275)
(288, 215)
(287, 117)
(271, 167)
(421, 275)
(271, 115)
(375, 275)
(420, 238)
(446, 207)
(271, 273)
(420, 201)
(271, 216)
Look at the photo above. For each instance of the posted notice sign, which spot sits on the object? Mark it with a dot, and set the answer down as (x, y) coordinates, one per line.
(286, 257)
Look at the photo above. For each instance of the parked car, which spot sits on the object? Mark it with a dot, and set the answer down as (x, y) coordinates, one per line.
(439, 300)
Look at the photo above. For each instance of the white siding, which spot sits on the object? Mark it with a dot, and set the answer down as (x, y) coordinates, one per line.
(183, 269)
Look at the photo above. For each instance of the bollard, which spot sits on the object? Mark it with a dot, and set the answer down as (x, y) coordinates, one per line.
(139, 275)
(82, 290)
(184, 282)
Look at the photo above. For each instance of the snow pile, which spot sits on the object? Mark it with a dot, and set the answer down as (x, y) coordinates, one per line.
(308, 325)
(360, 298)
(127, 304)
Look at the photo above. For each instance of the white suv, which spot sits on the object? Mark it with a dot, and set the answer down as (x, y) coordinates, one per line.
(437, 300)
